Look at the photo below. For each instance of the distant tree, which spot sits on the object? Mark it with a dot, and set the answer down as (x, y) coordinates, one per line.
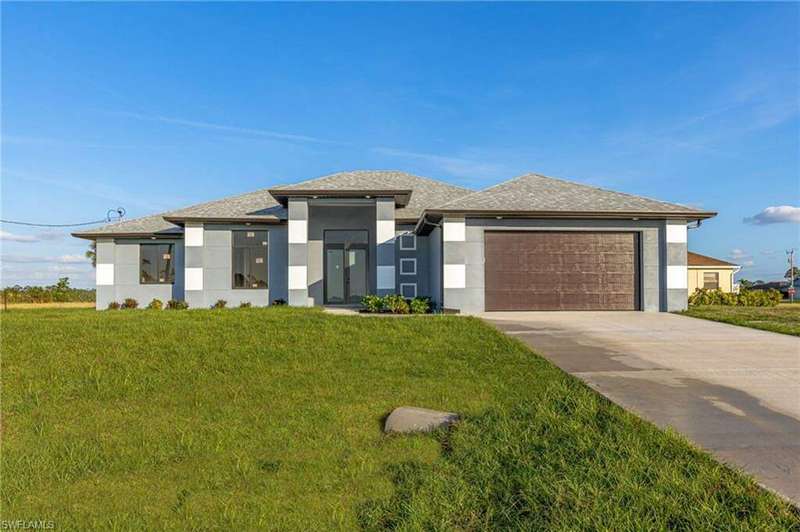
(789, 275)
(744, 283)
(91, 253)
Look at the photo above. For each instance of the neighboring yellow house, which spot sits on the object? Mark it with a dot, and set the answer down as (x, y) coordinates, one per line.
(708, 272)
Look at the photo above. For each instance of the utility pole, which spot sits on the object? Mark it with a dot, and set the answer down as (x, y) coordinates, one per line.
(790, 252)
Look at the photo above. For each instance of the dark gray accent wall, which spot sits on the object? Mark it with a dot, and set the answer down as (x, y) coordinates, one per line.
(422, 257)
(328, 215)
(434, 243)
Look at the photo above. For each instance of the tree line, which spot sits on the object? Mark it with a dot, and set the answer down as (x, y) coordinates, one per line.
(61, 292)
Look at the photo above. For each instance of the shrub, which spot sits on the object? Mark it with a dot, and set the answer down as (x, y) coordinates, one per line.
(176, 304)
(372, 303)
(420, 305)
(245, 304)
(130, 303)
(395, 304)
(221, 303)
(155, 304)
(279, 302)
(113, 306)
(745, 298)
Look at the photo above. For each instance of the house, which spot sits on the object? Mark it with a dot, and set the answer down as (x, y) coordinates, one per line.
(530, 243)
(711, 273)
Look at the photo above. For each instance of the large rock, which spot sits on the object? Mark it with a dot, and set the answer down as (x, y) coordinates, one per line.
(411, 419)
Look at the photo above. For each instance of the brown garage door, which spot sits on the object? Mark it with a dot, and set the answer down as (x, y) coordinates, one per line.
(550, 270)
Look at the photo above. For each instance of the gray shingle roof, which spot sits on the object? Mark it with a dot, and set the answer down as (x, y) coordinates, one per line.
(146, 225)
(534, 192)
(529, 193)
(426, 193)
(258, 205)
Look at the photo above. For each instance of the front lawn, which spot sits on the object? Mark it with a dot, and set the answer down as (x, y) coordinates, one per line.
(784, 318)
(271, 418)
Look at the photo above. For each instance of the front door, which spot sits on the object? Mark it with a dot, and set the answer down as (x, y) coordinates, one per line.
(346, 267)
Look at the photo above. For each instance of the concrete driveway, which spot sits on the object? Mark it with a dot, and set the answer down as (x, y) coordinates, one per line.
(732, 390)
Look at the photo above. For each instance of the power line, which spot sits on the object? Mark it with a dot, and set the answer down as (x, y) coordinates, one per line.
(113, 215)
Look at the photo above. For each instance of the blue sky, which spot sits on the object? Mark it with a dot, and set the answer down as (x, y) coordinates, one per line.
(158, 106)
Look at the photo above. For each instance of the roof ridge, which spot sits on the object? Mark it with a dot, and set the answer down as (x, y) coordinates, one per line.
(423, 178)
(483, 190)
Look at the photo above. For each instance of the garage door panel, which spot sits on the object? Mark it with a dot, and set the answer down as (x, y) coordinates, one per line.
(561, 270)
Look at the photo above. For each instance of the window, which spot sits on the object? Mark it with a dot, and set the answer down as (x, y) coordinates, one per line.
(711, 280)
(156, 264)
(408, 242)
(408, 290)
(408, 266)
(250, 259)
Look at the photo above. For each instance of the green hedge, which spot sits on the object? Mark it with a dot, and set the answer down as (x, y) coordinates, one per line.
(396, 304)
(745, 298)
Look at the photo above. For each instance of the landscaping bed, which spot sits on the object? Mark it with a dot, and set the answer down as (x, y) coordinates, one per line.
(271, 418)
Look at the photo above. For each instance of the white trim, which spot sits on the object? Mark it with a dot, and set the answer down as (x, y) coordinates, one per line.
(104, 275)
(454, 276)
(298, 277)
(408, 284)
(454, 231)
(298, 231)
(194, 279)
(677, 277)
(413, 239)
(384, 231)
(385, 277)
(193, 236)
(414, 261)
(676, 234)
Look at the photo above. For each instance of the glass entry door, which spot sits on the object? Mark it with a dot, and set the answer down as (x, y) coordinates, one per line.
(346, 267)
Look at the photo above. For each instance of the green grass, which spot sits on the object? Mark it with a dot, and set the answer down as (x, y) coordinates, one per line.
(271, 418)
(784, 318)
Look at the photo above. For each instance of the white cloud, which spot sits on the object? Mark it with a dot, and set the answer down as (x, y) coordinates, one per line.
(775, 215)
(38, 237)
(457, 166)
(739, 254)
(30, 259)
(196, 124)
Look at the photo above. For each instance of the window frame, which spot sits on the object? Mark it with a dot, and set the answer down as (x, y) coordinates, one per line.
(234, 247)
(411, 260)
(170, 278)
(408, 284)
(715, 282)
(413, 239)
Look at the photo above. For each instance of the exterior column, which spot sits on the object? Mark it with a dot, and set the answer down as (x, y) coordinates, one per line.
(298, 252)
(677, 270)
(454, 265)
(384, 243)
(193, 245)
(104, 273)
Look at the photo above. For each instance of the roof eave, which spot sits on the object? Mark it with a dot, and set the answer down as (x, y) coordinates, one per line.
(95, 236)
(401, 196)
(626, 215)
(181, 220)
